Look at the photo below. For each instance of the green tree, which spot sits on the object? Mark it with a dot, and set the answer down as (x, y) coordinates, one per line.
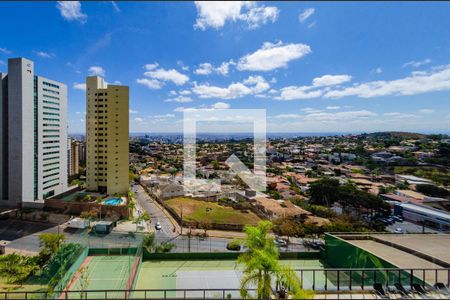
(142, 217)
(262, 265)
(84, 281)
(324, 191)
(432, 190)
(16, 268)
(49, 243)
(216, 165)
(149, 243)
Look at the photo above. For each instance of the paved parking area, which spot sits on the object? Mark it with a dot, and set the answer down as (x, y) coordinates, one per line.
(24, 236)
(409, 227)
(11, 230)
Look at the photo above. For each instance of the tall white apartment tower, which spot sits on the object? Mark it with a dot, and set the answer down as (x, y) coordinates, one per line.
(33, 136)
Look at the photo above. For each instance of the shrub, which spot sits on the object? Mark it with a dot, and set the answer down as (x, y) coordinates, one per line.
(16, 268)
(234, 246)
(164, 247)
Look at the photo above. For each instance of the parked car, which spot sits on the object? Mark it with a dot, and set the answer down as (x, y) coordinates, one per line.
(158, 226)
(78, 223)
(399, 230)
(280, 242)
(398, 218)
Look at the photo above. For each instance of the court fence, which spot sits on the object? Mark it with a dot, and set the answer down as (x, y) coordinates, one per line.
(318, 280)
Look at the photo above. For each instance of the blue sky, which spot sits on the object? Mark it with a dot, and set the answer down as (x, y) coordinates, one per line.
(315, 67)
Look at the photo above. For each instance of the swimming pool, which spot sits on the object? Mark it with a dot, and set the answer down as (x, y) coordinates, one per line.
(113, 201)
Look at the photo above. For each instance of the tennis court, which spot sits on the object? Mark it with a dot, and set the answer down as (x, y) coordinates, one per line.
(104, 272)
(199, 274)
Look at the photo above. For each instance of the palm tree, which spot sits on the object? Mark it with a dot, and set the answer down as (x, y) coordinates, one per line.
(262, 264)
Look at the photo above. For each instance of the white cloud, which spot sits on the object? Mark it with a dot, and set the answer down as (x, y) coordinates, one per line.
(298, 92)
(258, 16)
(71, 11)
(253, 85)
(180, 109)
(306, 14)
(43, 54)
(2, 63)
(179, 99)
(165, 116)
(327, 80)
(167, 75)
(339, 116)
(150, 67)
(139, 119)
(5, 51)
(96, 71)
(133, 111)
(288, 116)
(258, 83)
(438, 79)
(224, 68)
(399, 115)
(80, 113)
(183, 67)
(416, 64)
(215, 106)
(272, 56)
(312, 91)
(207, 68)
(234, 90)
(312, 25)
(310, 110)
(158, 76)
(426, 111)
(150, 83)
(378, 70)
(216, 13)
(220, 105)
(204, 69)
(333, 107)
(115, 6)
(79, 86)
(185, 92)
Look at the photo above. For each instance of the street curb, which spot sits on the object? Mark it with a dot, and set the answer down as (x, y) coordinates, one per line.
(172, 220)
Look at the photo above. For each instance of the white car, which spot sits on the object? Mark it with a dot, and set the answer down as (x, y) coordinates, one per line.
(158, 226)
(399, 230)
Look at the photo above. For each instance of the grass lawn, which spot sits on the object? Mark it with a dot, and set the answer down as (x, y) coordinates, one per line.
(196, 210)
(28, 286)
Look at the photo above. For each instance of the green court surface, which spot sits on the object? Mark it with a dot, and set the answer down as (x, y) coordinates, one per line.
(200, 274)
(103, 273)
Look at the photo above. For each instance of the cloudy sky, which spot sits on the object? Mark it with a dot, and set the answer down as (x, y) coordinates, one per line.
(315, 67)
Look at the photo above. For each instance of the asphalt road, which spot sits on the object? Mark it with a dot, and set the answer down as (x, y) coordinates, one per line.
(156, 214)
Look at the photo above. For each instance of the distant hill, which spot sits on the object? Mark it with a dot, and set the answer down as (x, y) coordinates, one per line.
(394, 134)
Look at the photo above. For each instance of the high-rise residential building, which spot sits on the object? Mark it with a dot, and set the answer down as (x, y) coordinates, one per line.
(82, 152)
(107, 109)
(73, 157)
(69, 157)
(33, 136)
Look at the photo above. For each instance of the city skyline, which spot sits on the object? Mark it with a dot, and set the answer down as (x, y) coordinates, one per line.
(315, 67)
